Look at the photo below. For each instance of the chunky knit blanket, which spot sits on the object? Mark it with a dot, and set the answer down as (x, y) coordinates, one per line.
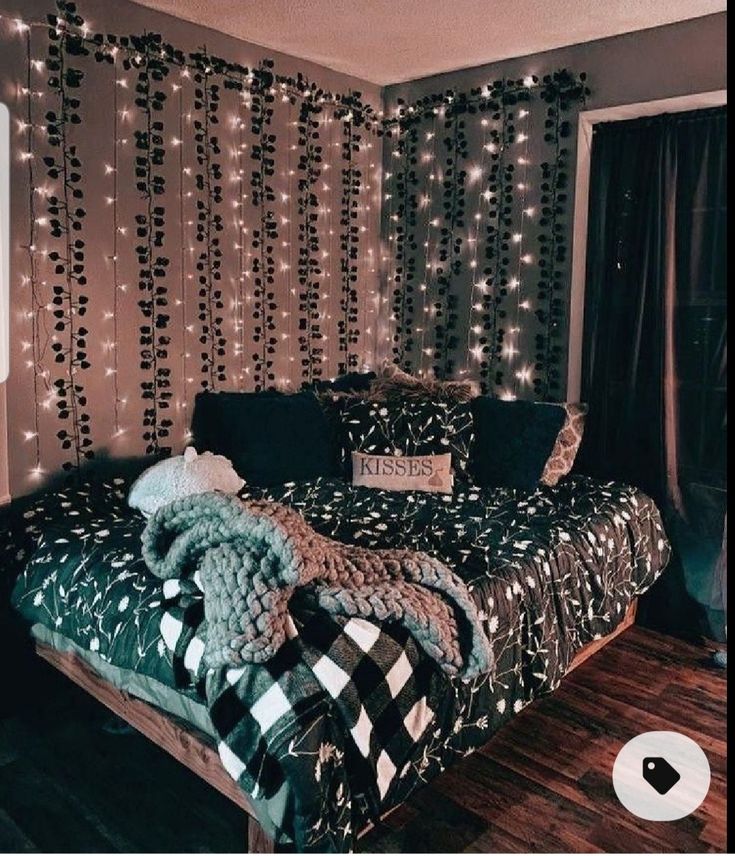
(248, 558)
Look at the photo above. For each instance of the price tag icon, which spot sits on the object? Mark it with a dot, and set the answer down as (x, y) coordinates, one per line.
(659, 774)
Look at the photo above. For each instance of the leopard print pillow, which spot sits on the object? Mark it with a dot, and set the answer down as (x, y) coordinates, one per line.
(568, 441)
(393, 382)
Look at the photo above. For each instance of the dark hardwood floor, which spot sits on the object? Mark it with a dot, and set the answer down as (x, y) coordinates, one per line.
(542, 784)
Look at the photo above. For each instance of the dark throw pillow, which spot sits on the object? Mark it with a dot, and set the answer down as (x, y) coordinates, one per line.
(513, 441)
(271, 438)
(351, 382)
(408, 427)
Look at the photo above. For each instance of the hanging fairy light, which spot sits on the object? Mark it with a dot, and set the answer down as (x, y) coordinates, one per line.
(27, 129)
(118, 83)
(240, 246)
(508, 205)
(374, 308)
(475, 353)
(184, 121)
(429, 248)
(368, 309)
(517, 283)
(153, 264)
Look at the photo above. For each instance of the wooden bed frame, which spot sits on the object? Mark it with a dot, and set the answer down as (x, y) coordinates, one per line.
(196, 750)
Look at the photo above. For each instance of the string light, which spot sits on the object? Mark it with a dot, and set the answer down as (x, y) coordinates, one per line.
(31, 280)
(508, 190)
(116, 232)
(373, 304)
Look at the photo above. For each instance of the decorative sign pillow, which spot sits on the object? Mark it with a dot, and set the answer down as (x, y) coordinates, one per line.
(183, 475)
(432, 473)
(403, 428)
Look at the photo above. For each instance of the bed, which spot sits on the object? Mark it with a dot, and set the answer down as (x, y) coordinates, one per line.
(555, 571)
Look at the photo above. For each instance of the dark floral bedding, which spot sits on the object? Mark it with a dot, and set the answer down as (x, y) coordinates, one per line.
(323, 750)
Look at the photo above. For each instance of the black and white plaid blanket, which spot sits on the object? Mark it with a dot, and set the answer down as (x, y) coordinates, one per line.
(368, 680)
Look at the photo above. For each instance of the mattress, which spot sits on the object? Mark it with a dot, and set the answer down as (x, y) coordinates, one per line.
(550, 570)
(148, 689)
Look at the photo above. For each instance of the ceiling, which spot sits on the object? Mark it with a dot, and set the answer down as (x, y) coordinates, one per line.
(390, 41)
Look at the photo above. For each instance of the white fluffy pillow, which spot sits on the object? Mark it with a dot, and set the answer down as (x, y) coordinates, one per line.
(183, 475)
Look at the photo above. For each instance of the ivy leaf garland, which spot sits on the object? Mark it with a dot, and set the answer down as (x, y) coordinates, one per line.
(263, 196)
(37, 347)
(561, 90)
(66, 216)
(309, 266)
(151, 61)
(349, 239)
(504, 94)
(209, 223)
(150, 232)
(450, 235)
(404, 272)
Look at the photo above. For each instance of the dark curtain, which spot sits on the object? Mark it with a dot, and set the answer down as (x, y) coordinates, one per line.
(654, 351)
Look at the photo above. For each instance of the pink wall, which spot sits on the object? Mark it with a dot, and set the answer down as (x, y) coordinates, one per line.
(114, 397)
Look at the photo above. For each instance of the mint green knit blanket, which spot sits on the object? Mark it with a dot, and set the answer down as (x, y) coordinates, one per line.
(249, 557)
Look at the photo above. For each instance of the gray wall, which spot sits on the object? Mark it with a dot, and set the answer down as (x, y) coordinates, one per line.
(663, 62)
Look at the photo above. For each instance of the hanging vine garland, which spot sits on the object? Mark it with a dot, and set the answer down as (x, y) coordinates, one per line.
(181, 194)
(309, 266)
(65, 220)
(398, 238)
(404, 238)
(515, 346)
(209, 224)
(264, 237)
(473, 240)
(289, 236)
(367, 305)
(114, 258)
(561, 90)
(150, 232)
(73, 376)
(500, 191)
(450, 241)
(388, 261)
(36, 351)
(324, 224)
(240, 246)
(427, 201)
(349, 240)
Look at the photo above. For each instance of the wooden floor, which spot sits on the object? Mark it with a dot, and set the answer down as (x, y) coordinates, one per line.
(542, 784)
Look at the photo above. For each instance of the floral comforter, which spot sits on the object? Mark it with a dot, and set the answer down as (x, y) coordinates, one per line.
(347, 721)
